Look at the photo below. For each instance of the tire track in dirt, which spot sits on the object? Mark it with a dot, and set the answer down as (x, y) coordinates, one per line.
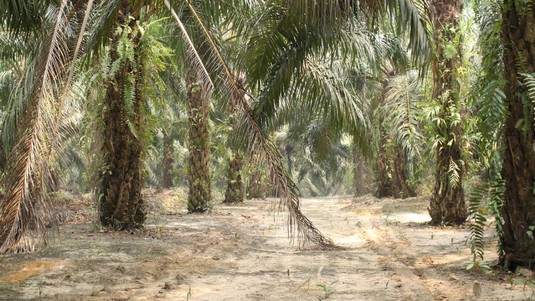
(397, 266)
(398, 255)
(242, 252)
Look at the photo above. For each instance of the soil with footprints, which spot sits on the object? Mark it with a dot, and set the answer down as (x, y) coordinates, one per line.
(242, 252)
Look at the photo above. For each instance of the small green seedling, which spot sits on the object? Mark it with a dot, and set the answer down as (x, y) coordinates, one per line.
(478, 265)
(327, 289)
(307, 282)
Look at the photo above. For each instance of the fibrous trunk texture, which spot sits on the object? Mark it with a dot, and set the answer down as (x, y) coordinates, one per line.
(256, 184)
(447, 204)
(518, 36)
(361, 173)
(234, 193)
(199, 193)
(400, 184)
(119, 193)
(384, 182)
(167, 161)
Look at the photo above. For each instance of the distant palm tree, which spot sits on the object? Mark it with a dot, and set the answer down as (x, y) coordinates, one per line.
(402, 95)
(235, 190)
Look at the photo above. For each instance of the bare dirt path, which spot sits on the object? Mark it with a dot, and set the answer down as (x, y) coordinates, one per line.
(242, 253)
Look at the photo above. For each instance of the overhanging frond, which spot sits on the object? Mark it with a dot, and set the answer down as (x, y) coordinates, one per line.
(299, 225)
(23, 210)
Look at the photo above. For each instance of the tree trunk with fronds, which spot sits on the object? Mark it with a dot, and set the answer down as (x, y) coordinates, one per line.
(256, 187)
(518, 37)
(383, 179)
(447, 204)
(400, 180)
(167, 161)
(234, 192)
(121, 205)
(361, 172)
(199, 193)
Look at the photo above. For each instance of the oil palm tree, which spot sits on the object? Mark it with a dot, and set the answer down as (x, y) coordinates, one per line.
(123, 132)
(447, 203)
(519, 166)
(235, 190)
(199, 181)
(51, 67)
(286, 50)
(402, 121)
(382, 163)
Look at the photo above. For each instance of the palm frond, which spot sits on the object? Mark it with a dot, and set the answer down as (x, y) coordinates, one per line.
(409, 15)
(402, 96)
(529, 82)
(82, 31)
(485, 199)
(320, 79)
(299, 225)
(23, 210)
(192, 48)
(477, 214)
(21, 17)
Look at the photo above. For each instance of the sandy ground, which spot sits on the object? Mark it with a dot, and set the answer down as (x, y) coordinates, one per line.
(242, 253)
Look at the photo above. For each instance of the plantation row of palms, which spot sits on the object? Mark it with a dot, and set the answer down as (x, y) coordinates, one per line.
(116, 94)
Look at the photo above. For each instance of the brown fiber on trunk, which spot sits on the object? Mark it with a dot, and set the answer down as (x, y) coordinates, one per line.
(447, 204)
(234, 192)
(400, 185)
(167, 161)
(361, 173)
(121, 204)
(383, 179)
(199, 193)
(256, 187)
(518, 36)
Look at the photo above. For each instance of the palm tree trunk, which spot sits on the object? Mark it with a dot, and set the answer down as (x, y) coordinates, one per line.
(234, 193)
(400, 187)
(121, 203)
(360, 173)
(519, 159)
(167, 161)
(384, 182)
(255, 184)
(447, 203)
(199, 193)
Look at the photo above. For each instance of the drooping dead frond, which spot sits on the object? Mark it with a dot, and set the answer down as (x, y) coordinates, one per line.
(298, 224)
(77, 49)
(192, 49)
(33, 120)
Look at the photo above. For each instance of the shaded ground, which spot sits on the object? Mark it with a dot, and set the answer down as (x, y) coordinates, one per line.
(242, 253)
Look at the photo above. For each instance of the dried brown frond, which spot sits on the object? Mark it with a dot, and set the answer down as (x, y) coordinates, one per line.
(298, 224)
(267, 154)
(24, 211)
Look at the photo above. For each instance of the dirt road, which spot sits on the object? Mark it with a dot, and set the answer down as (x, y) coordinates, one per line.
(242, 253)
